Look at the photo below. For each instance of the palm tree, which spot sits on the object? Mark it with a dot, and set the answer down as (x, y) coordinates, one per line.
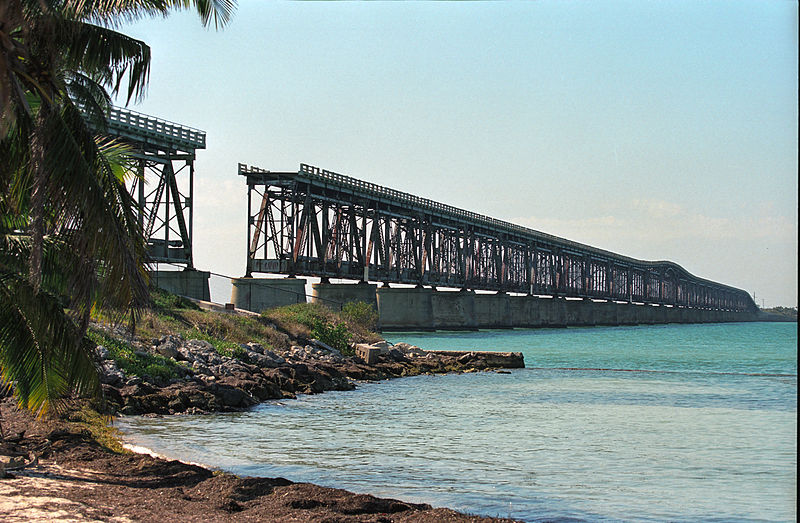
(69, 237)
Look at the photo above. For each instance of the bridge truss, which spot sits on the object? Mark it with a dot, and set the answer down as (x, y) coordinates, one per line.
(164, 189)
(318, 223)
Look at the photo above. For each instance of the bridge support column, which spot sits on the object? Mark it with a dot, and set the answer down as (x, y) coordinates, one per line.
(258, 294)
(552, 312)
(626, 314)
(580, 312)
(190, 282)
(524, 311)
(493, 311)
(454, 310)
(404, 309)
(334, 295)
(671, 314)
(606, 313)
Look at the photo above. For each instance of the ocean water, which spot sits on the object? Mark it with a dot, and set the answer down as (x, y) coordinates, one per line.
(646, 423)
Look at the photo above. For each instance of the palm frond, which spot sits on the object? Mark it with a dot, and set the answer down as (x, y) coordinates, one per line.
(108, 56)
(218, 11)
(89, 94)
(95, 213)
(42, 355)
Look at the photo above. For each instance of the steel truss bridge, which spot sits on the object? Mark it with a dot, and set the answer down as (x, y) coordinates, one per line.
(164, 189)
(319, 223)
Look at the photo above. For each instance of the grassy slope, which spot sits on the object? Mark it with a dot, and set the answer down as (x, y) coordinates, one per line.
(276, 329)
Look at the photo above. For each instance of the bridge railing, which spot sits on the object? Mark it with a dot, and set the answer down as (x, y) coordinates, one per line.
(147, 124)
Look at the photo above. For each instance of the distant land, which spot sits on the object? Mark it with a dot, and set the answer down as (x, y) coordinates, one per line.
(789, 312)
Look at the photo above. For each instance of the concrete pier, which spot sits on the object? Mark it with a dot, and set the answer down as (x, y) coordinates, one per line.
(258, 294)
(191, 283)
(405, 309)
(428, 309)
(453, 310)
(335, 295)
(492, 311)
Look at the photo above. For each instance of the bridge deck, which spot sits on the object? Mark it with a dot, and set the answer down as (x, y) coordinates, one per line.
(315, 222)
(142, 127)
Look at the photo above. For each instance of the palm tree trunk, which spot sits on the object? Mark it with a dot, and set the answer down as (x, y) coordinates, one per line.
(37, 198)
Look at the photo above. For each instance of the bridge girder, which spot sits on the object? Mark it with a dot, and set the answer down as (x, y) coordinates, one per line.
(316, 223)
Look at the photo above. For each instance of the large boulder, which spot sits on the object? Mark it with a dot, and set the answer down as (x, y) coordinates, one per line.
(110, 374)
(168, 346)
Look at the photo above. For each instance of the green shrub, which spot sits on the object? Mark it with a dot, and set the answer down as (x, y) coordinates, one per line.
(163, 300)
(133, 364)
(334, 335)
(361, 313)
(303, 313)
(223, 347)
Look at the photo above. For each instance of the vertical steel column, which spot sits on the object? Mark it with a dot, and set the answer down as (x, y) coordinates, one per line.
(248, 273)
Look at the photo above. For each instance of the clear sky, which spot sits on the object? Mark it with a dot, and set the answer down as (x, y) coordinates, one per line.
(658, 130)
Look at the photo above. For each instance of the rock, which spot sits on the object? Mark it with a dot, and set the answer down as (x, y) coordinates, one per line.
(200, 368)
(201, 346)
(396, 355)
(102, 353)
(383, 346)
(264, 361)
(185, 354)
(233, 397)
(254, 347)
(410, 350)
(168, 351)
(465, 358)
(110, 373)
(274, 357)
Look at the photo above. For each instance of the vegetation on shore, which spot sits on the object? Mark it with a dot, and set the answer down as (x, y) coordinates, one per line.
(355, 323)
(70, 240)
(275, 329)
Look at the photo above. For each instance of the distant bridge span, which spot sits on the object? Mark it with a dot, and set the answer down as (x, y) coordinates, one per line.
(314, 222)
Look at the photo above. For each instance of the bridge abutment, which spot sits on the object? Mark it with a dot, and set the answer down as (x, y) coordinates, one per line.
(429, 309)
(191, 283)
(257, 294)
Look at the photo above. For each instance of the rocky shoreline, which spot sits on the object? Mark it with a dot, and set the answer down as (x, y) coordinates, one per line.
(211, 382)
(47, 459)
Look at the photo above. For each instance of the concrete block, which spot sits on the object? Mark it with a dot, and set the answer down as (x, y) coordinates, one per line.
(367, 353)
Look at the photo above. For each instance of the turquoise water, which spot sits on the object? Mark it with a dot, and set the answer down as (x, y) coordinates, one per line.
(648, 423)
